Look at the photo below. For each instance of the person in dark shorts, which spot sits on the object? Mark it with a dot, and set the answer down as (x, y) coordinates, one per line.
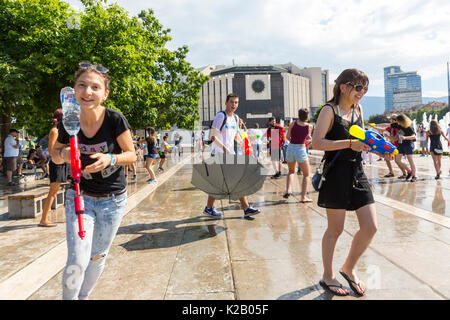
(58, 172)
(406, 139)
(346, 187)
(436, 150)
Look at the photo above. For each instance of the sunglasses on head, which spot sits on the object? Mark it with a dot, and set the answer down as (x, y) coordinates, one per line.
(358, 87)
(97, 67)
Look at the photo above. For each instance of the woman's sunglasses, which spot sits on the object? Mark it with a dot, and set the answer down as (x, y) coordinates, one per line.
(358, 87)
(97, 67)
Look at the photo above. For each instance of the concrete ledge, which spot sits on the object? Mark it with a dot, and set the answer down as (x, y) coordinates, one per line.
(28, 280)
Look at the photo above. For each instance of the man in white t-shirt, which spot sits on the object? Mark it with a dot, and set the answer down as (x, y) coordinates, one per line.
(11, 154)
(224, 131)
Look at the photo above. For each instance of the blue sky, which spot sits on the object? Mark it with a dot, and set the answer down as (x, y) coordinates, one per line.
(330, 34)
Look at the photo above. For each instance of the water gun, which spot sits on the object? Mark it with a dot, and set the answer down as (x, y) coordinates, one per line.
(68, 97)
(374, 140)
(245, 143)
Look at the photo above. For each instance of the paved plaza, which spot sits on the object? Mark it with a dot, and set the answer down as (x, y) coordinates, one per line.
(166, 249)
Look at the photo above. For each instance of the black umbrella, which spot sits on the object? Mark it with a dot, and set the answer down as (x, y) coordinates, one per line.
(228, 176)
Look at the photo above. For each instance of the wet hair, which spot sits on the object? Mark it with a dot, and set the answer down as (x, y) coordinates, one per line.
(303, 114)
(434, 127)
(104, 75)
(404, 121)
(231, 95)
(354, 76)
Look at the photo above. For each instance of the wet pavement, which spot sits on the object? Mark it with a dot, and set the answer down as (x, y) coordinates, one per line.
(166, 249)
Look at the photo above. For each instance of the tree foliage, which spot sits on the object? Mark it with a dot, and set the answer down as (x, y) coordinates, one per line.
(42, 42)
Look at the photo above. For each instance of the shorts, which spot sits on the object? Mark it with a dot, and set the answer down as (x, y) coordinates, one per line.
(296, 152)
(10, 163)
(406, 149)
(162, 155)
(151, 156)
(58, 172)
(423, 144)
(275, 155)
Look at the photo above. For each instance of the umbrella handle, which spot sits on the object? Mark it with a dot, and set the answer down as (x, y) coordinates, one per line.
(206, 168)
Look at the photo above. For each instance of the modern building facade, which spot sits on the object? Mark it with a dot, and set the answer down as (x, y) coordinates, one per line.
(264, 91)
(401, 89)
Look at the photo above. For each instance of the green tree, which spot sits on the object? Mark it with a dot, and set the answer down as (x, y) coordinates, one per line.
(42, 43)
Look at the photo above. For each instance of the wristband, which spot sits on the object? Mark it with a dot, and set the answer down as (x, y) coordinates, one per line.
(350, 143)
(113, 160)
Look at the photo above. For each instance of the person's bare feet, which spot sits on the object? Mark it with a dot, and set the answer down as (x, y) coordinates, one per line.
(306, 200)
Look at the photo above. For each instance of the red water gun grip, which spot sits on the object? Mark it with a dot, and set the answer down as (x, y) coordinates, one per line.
(75, 163)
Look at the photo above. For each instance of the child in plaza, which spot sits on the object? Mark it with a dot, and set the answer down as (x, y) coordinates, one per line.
(152, 154)
(434, 134)
(224, 131)
(105, 147)
(58, 172)
(346, 187)
(162, 152)
(406, 138)
(298, 133)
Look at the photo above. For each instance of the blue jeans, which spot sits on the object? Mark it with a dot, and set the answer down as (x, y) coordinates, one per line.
(256, 150)
(102, 218)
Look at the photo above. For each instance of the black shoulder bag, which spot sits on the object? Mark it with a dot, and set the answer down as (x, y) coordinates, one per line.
(319, 175)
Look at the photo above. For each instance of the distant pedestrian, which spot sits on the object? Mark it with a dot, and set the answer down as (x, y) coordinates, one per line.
(152, 154)
(162, 152)
(58, 172)
(297, 135)
(436, 150)
(256, 135)
(422, 135)
(406, 140)
(275, 141)
(11, 154)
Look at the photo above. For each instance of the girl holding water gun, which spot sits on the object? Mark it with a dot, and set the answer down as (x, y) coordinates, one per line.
(105, 147)
(346, 187)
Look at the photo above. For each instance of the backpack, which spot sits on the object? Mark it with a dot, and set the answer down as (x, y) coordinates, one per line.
(236, 117)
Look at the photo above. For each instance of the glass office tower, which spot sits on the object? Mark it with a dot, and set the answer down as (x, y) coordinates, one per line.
(400, 86)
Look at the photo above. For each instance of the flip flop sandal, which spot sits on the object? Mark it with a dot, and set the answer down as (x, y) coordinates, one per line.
(47, 225)
(327, 287)
(350, 283)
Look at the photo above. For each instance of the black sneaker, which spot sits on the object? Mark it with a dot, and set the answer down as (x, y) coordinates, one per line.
(11, 184)
(408, 176)
(389, 175)
(413, 179)
(277, 175)
(403, 176)
(287, 195)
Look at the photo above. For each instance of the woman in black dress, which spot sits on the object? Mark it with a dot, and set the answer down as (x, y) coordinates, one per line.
(346, 187)
(434, 134)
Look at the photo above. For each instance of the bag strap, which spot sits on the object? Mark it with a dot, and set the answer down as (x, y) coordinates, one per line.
(339, 152)
(236, 117)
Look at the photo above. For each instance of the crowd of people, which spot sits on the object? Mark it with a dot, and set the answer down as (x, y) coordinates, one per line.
(108, 151)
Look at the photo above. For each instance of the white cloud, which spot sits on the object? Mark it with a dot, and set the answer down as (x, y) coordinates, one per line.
(332, 34)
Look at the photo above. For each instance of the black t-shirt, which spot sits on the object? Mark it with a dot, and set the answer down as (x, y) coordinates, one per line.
(151, 146)
(111, 179)
(407, 132)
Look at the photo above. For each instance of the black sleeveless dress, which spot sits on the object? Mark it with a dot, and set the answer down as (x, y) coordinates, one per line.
(346, 185)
